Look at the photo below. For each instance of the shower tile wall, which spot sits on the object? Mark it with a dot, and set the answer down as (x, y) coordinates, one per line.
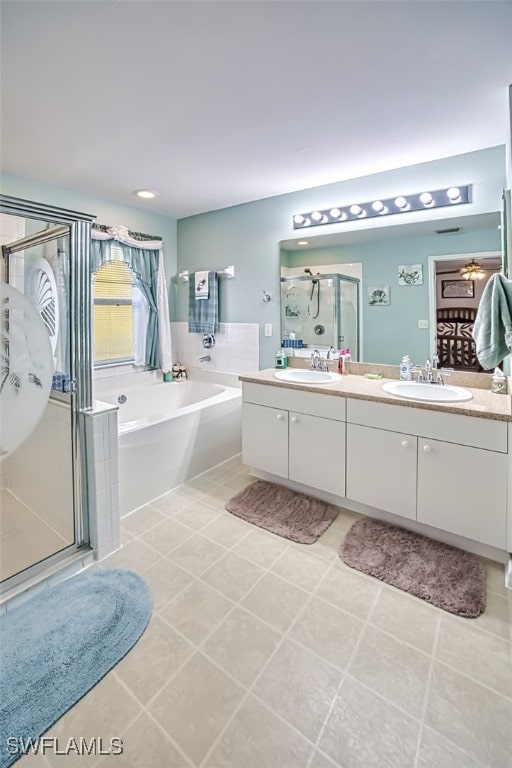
(237, 348)
(103, 479)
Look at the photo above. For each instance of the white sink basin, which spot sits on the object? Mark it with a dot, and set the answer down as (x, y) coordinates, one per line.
(433, 393)
(300, 376)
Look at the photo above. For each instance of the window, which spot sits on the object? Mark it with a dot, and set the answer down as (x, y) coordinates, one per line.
(113, 313)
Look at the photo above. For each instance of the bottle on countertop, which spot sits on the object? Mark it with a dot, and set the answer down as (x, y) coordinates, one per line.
(406, 369)
(282, 359)
(344, 358)
(499, 382)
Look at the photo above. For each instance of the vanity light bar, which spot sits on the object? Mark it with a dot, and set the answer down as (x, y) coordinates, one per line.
(437, 198)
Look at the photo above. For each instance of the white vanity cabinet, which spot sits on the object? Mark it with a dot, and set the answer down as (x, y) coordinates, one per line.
(296, 435)
(381, 469)
(441, 469)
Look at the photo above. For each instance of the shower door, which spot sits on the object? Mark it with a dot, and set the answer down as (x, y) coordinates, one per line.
(40, 520)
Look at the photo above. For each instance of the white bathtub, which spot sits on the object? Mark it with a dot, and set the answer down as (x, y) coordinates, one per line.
(169, 432)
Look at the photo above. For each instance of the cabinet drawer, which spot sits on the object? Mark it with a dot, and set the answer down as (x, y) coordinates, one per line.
(450, 427)
(326, 406)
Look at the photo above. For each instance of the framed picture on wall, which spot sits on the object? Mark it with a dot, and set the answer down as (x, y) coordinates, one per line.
(457, 289)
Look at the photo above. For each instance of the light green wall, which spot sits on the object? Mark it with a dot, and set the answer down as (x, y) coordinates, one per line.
(106, 212)
(248, 236)
(391, 332)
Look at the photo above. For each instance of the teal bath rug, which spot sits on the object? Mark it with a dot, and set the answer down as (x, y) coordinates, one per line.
(57, 645)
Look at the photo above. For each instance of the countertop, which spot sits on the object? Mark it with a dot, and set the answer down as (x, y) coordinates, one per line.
(485, 404)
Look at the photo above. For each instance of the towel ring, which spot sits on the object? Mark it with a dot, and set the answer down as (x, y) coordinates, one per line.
(208, 341)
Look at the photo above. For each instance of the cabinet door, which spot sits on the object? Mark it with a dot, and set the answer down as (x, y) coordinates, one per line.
(381, 469)
(463, 490)
(317, 452)
(265, 438)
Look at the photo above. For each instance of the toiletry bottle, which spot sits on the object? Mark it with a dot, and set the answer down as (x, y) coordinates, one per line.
(343, 359)
(499, 382)
(281, 359)
(405, 369)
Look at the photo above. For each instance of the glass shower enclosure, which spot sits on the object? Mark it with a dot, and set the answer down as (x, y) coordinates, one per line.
(321, 311)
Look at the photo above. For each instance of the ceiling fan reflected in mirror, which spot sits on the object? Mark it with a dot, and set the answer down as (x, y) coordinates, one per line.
(472, 271)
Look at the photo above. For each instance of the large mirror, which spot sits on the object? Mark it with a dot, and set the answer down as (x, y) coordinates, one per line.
(407, 273)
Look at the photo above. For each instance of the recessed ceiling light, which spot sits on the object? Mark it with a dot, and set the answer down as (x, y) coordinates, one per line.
(302, 242)
(147, 194)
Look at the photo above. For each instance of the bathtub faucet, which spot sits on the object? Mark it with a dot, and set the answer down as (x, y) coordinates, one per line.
(205, 359)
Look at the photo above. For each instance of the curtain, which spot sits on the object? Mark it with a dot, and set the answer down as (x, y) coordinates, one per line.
(145, 258)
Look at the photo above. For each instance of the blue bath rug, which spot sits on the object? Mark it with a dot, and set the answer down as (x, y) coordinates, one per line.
(57, 645)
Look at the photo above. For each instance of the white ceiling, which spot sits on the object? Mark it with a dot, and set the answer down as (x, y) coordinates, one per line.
(219, 103)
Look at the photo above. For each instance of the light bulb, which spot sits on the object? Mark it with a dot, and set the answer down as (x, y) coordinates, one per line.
(356, 210)
(335, 213)
(316, 216)
(401, 203)
(426, 198)
(325, 219)
(302, 242)
(298, 219)
(453, 194)
(378, 206)
(343, 216)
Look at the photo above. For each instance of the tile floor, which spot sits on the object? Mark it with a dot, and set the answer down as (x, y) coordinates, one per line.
(17, 552)
(262, 653)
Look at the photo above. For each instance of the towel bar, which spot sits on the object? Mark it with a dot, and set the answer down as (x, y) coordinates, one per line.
(227, 272)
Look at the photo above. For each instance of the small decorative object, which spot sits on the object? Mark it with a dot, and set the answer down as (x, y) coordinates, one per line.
(499, 382)
(281, 359)
(410, 274)
(168, 376)
(266, 297)
(457, 289)
(179, 372)
(378, 296)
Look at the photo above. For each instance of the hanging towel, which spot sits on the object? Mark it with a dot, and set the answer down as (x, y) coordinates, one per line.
(201, 285)
(203, 316)
(492, 331)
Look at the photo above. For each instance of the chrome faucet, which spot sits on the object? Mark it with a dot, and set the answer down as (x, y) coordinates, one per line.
(205, 359)
(316, 363)
(430, 373)
(330, 353)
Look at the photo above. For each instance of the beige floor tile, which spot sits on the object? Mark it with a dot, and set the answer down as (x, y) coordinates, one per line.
(349, 591)
(327, 631)
(301, 568)
(171, 502)
(495, 618)
(191, 489)
(275, 601)
(216, 502)
(196, 554)
(154, 659)
(407, 618)
(135, 555)
(242, 645)
(484, 657)
(197, 611)
(471, 716)
(218, 495)
(261, 547)
(496, 578)
(436, 752)
(227, 530)
(166, 580)
(220, 474)
(196, 516)
(196, 705)
(238, 482)
(256, 738)
(145, 745)
(344, 521)
(232, 575)
(321, 761)
(394, 670)
(300, 687)
(104, 712)
(203, 483)
(142, 520)
(328, 544)
(166, 536)
(364, 731)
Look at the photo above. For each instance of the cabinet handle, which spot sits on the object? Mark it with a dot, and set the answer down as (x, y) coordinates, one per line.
(279, 417)
(427, 448)
(294, 419)
(406, 444)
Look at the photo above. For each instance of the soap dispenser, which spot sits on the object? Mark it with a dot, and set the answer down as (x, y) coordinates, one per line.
(499, 382)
